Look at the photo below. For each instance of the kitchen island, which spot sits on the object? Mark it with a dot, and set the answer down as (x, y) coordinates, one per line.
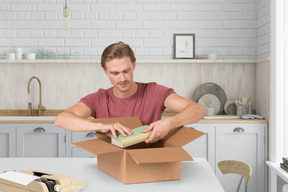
(196, 175)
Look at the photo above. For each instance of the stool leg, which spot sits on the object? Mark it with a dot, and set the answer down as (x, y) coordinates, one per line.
(239, 184)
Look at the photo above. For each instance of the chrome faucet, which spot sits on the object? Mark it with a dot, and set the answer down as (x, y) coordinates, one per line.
(41, 108)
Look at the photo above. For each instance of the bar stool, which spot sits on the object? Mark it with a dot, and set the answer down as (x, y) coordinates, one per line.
(237, 167)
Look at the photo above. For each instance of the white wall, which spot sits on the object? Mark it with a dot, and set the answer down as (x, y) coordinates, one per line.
(227, 27)
(263, 28)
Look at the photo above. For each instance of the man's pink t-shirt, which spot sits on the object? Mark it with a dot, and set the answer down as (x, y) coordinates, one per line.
(147, 103)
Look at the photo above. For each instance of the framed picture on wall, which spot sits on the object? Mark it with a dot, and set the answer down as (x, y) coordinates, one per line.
(184, 46)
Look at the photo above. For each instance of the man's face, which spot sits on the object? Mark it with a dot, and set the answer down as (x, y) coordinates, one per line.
(120, 73)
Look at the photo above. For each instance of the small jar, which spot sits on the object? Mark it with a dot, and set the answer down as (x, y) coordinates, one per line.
(240, 110)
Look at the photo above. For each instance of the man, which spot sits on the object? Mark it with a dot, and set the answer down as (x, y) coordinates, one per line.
(129, 98)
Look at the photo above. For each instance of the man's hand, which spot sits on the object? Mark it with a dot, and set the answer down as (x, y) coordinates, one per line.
(159, 130)
(112, 129)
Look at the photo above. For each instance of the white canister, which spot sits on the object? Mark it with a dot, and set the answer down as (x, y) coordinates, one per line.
(19, 53)
(11, 56)
(212, 56)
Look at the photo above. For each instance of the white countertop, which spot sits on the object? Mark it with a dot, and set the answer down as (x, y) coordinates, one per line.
(196, 175)
(27, 118)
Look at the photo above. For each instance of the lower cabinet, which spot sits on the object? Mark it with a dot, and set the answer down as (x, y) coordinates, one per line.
(73, 150)
(226, 141)
(40, 140)
(7, 141)
(204, 146)
(32, 140)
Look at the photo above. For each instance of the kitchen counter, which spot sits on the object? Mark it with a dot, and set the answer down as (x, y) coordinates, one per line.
(196, 175)
(51, 119)
(20, 116)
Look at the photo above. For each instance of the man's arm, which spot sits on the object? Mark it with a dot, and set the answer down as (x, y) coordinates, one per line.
(188, 112)
(75, 119)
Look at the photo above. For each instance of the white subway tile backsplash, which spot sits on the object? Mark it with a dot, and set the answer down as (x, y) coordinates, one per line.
(107, 7)
(156, 42)
(129, 15)
(79, 24)
(142, 33)
(50, 16)
(155, 7)
(46, 7)
(235, 42)
(9, 33)
(23, 16)
(75, 42)
(183, 7)
(77, 33)
(4, 42)
(23, 42)
(50, 33)
(51, 42)
(4, 7)
(123, 7)
(115, 16)
(23, 33)
(147, 25)
(115, 33)
(23, 7)
(128, 33)
(103, 24)
(210, 7)
(128, 25)
(38, 16)
(36, 33)
(10, 15)
(23, 25)
(239, 24)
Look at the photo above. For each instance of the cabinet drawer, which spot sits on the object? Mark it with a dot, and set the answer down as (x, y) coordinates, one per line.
(82, 136)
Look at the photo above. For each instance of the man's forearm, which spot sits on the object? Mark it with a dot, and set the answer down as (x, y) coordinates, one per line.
(72, 122)
(192, 113)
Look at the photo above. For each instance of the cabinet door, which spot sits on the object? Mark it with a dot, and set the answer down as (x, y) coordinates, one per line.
(40, 140)
(73, 150)
(242, 142)
(7, 141)
(204, 146)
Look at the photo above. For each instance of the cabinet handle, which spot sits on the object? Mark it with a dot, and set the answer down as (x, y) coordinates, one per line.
(39, 130)
(91, 134)
(238, 130)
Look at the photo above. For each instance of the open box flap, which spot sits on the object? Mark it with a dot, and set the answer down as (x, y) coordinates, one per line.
(159, 155)
(97, 146)
(183, 136)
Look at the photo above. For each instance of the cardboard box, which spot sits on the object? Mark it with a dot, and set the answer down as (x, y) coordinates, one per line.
(142, 162)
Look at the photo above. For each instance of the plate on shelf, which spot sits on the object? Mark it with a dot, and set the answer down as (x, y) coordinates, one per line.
(230, 107)
(211, 88)
(208, 100)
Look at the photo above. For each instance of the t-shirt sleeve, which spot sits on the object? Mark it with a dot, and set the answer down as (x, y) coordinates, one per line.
(163, 92)
(90, 101)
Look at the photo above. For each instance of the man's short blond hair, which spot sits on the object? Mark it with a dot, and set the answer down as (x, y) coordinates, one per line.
(117, 51)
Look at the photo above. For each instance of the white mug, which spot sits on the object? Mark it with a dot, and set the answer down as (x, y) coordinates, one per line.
(212, 56)
(19, 53)
(11, 56)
